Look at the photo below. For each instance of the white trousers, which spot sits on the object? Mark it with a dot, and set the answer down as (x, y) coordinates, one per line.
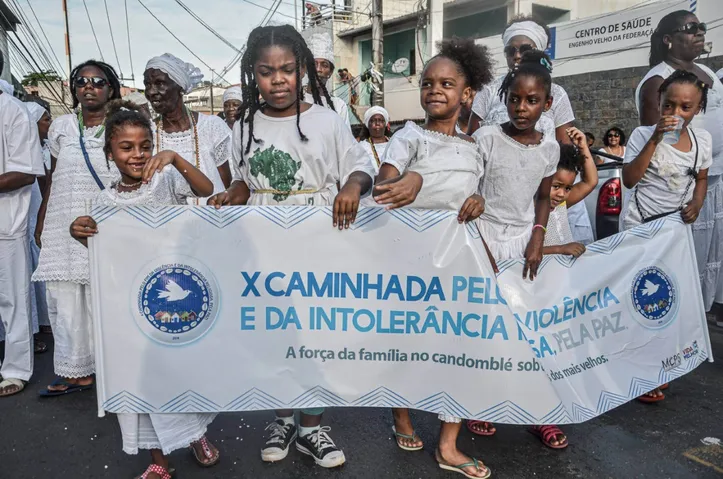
(166, 432)
(15, 309)
(69, 311)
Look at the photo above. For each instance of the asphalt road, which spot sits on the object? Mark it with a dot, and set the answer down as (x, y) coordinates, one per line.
(63, 438)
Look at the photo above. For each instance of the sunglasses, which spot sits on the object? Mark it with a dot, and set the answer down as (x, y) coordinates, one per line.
(691, 28)
(613, 135)
(97, 82)
(511, 51)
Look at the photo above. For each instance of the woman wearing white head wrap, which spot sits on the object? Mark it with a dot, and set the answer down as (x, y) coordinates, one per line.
(375, 135)
(203, 140)
(524, 34)
(232, 102)
(322, 48)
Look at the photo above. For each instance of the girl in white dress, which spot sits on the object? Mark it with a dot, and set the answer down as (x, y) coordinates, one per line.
(435, 167)
(147, 180)
(78, 172)
(375, 136)
(289, 152)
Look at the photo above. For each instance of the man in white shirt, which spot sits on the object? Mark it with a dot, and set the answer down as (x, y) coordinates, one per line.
(21, 161)
(322, 48)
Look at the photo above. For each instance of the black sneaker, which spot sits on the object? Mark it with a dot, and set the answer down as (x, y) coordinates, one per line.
(319, 445)
(280, 438)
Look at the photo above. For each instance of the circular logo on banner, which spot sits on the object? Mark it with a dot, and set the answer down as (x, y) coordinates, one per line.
(177, 304)
(654, 297)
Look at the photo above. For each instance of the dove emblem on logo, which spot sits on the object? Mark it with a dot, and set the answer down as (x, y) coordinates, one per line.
(177, 303)
(654, 298)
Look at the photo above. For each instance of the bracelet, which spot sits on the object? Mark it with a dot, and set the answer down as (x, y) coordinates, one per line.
(544, 230)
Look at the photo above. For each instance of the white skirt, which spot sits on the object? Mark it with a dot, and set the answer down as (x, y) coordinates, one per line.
(708, 240)
(167, 432)
(505, 242)
(69, 311)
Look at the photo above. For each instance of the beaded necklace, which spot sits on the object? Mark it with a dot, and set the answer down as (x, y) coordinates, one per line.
(159, 138)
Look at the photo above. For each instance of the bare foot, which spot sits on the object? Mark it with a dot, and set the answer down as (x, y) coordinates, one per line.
(403, 425)
(456, 457)
(483, 428)
(86, 381)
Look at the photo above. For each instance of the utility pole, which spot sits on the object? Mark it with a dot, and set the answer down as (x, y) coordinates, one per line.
(212, 73)
(378, 50)
(67, 50)
(435, 32)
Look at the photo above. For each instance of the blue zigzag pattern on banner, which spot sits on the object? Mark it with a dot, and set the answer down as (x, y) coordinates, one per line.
(647, 230)
(286, 216)
(582, 414)
(317, 397)
(156, 216)
(503, 266)
(472, 230)
(559, 415)
(220, 218)
(421, 220)
(382, 397)
(125, 402)
(684, 368)
(565, 260)
(443, 403)
(544, 262)
(506, 411)
(254, 399)
(365, 215)
(190, 401)
(101, 213)
(608, 401)
(607, 245)
(638, 387)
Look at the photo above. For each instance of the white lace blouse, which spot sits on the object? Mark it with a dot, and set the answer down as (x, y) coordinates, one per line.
(61, 257)
(214, 144)
(558, 227)
(168, 187)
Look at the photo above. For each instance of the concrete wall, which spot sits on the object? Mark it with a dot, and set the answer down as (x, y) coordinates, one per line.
(607, 98)
(4, 47)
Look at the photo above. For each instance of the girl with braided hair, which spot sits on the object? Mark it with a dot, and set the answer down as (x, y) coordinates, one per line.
(289, 152)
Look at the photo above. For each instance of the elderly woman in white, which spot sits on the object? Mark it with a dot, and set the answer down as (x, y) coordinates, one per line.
(204, 140)
(233, 101)
(375, 135)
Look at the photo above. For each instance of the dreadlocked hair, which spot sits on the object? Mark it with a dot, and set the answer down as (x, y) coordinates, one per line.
(571, 158)
(120, 114)
(473, 61)
(658, 48)
(107, 70)
(279, 35)
(683, 77)
(534, 63)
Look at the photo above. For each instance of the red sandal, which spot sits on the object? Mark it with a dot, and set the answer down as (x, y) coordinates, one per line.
(485, 432)
(207, 453)
(549, 433)
(162, 472)
(645, 398)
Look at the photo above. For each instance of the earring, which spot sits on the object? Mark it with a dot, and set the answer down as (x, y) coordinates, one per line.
(670, 46)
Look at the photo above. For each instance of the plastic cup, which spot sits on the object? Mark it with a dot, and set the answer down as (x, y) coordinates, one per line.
(673, 136)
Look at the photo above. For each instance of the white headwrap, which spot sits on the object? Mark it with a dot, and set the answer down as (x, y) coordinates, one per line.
(183, 74)
(36, 111)
(233, 93)
(7, 87)
(375, 110)
(321, 46)
(137, 98)
(529, 29)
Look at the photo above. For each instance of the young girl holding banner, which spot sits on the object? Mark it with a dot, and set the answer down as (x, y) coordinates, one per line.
(149, 181)
(289, 152)
(435, 167)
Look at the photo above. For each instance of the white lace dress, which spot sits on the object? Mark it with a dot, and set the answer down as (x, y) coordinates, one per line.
(513, 173)
(558, 227)
(167, 432)
(214, 144)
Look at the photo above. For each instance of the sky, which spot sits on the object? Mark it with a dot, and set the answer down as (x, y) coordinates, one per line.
(232, 19)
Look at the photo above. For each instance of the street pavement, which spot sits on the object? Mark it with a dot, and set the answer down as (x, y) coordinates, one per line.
(63, 438)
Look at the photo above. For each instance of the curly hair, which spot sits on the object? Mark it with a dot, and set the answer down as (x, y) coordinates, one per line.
(107, 70)
(571, 158)
(534, 63)
(531, 18)
(619, 131)
(684, 77)
(473, 61)
(119, 114)
(286, 36)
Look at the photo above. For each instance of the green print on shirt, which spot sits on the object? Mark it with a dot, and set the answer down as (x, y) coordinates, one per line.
(278, 167)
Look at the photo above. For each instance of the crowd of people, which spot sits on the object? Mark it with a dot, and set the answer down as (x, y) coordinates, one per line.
(502, 152)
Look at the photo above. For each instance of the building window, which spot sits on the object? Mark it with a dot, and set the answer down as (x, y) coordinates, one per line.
(477, 25)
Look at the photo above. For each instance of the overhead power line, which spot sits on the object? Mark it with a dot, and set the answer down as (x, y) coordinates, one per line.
(206, 25)
(112, 39)
(128, 35)
(57, 65)
(92, 29)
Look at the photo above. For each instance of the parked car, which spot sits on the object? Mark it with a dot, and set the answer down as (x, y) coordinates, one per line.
(604, 204)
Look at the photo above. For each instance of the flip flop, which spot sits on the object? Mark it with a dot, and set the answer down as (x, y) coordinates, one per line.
(413, 437)
(547, 434)
(72, 388)
(158, 470)
(649, 399)
(460, 468)
(207, 452)
(19, 383)
(665, 386)
(470, 423)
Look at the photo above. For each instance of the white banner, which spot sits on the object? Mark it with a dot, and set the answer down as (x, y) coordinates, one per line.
(250, 308)
(611, 32)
